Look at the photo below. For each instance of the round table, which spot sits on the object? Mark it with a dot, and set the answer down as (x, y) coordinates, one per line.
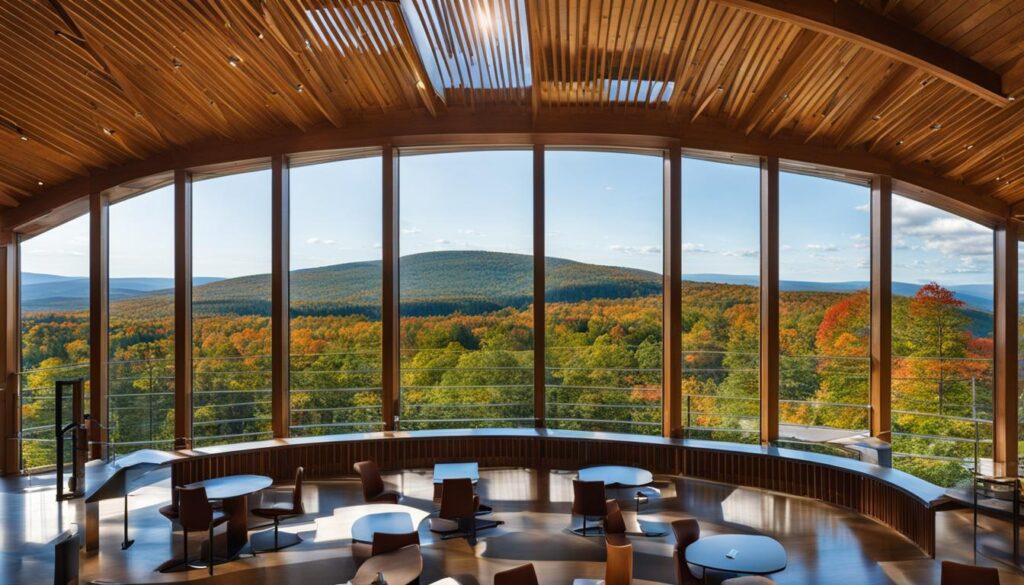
(233, 490)
(754, 555)
(400, 567)
(364, 528)
(617, 475)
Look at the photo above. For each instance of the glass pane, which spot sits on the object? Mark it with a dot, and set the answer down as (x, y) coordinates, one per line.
(141, 289)
(720, 313)
(54, 331)
(466, 278)
(824, 310)
(942, 271)
(231, 308)
(603, 290)
(335, 293)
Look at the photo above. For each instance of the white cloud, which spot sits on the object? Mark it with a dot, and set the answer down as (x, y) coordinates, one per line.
(635, 250)
(860, 241)
(320, 241)
(412, 230)
(938, 230)
(823, 247)
(741, 253)
(443, 242)
(466, 232)
(694, 248)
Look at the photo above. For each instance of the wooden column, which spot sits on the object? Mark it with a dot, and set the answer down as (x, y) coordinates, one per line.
(99, 321)
(539, 322)
(391, 338)
(672, 295)
(182, 309)
(1004, 401)
(280, 323)
(10, 351)
(880, 422)
(769, 374)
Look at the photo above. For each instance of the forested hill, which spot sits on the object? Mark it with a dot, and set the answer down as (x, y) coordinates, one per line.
(433, 283)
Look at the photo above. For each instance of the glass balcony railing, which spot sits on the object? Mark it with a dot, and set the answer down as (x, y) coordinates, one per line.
(603, 388)
(231, 399)
(458, 388)
(335, 393)
(38, 413)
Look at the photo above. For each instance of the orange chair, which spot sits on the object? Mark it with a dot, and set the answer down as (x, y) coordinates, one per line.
(618, 569)
(521, 575)
(276, 512)
(196, 513)
(588, 501)
(959, 574)
(373, 484)
(687, 532)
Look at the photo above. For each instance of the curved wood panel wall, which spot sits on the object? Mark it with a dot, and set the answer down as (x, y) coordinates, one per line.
(898, 500)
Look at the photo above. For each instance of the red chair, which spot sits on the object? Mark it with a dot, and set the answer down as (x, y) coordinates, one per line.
(373, 484)
(521, 575)
(959, 574)
(687, 532)
(276, 512)
(196, 514)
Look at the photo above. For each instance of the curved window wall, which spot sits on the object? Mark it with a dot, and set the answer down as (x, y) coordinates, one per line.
(466, 280)
(603, 290)
(334, 289)
(721, 307)
(465, 311)
(141, 330)
(824, 308)
(231, 362)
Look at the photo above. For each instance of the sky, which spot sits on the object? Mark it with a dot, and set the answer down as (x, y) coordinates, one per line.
(601, 207)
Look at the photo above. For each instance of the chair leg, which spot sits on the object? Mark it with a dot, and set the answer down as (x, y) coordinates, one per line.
(210, 565)
(184, 555)
(277, 524)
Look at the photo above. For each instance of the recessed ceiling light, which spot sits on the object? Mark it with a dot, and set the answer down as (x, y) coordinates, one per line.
(24, 138)
(109, 132)
(40, 183)
(968, 147)
(936, 126)
(420, 85)
(299, 88)
(233, 61)
(876, 117)
(898, 142)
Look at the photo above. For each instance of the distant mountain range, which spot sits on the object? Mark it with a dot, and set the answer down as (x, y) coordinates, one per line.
(432, 283)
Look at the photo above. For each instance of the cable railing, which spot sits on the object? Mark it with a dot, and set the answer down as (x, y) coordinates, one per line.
(38, 409)
(337, 392)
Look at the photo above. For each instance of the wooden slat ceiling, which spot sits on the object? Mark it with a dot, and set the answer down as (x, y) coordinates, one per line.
(87, 85)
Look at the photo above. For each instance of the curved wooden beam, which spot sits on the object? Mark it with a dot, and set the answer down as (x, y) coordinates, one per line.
(854, 23)
(600, 128)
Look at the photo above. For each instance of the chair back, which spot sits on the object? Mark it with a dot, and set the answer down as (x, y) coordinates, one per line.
(618, 570)
(588, 498)
(297, 506)
(687, 532)
(369, 476)
(613, 521)
(65, 560)
(959, 574)
(384, 542)
(521, 575)
(457, 499)
(194, 509)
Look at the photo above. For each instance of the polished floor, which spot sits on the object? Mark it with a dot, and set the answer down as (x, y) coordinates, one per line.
(825, 544)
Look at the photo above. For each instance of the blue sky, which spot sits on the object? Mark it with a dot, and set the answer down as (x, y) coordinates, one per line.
(602, 207)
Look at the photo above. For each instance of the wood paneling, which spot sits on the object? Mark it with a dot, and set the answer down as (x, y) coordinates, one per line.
(1007, 365)
(672, 295)
(887, 503)
(539, 302)
(391, 338)
(10, 328)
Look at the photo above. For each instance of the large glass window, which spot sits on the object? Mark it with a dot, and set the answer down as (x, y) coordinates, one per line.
(466, 280)
(141, 290)
(335, 293)
(720, 312)
(825, 308)
(231, 308)
(942, 270)
(603, 290)
(54, 331)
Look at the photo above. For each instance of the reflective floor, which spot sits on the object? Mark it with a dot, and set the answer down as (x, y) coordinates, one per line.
(825, 544)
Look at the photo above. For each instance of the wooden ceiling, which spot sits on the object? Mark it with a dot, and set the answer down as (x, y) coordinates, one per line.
(88, 85)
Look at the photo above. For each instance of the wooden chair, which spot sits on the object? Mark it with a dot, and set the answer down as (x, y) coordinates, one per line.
(618, 567)
(373, 484)
(521, 575)
(65, 560)
(687, 532)
(261, 541)
(385, 542)
(398, 556)
(196, 514)
(588, 501)
(458, 514)
(614, 524)
(959, 574)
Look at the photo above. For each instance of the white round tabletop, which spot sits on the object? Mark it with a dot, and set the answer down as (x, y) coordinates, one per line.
(233, 486)
(748, 554)
(617, 475)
